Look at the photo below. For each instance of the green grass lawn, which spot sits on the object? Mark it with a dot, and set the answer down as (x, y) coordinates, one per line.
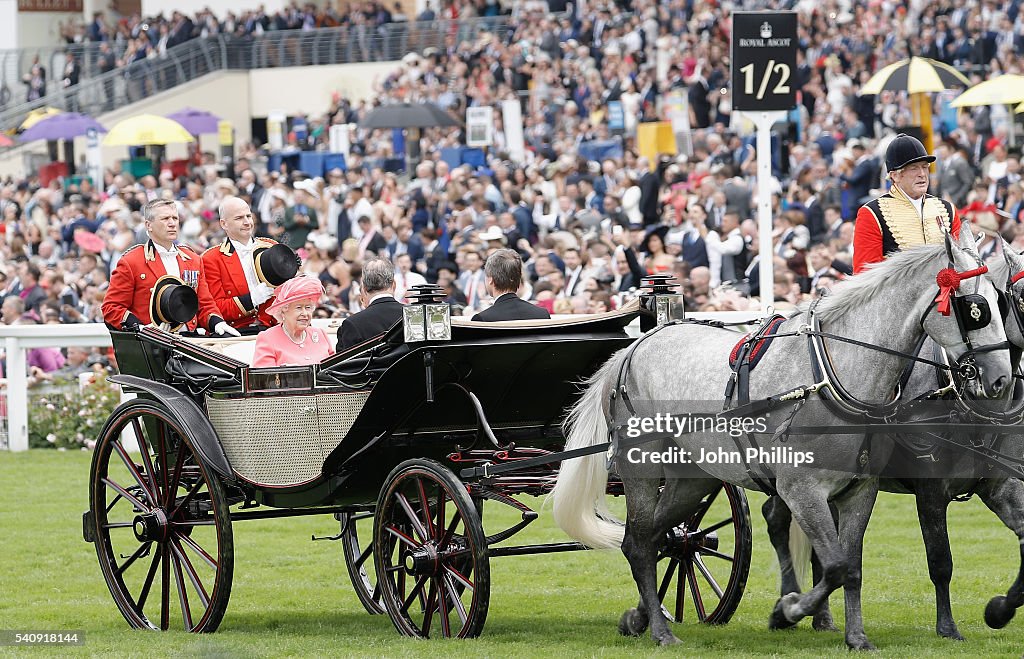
(291, 597)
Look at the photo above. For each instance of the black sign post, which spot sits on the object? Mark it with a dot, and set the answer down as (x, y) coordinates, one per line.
(764, 61)
(763, 90)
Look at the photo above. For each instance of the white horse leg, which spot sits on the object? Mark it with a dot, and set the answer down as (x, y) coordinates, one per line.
(640, 546)
(854, 513)
(1005, 497)
(637, 545)
(807, 502)
(932, 504)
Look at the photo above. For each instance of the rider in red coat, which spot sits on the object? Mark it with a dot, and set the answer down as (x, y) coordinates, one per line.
(241, 298)
(907, 215)
(126, 304)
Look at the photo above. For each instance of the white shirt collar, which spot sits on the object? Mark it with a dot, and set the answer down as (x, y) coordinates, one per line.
(243, 248)
(379, 296)
(161, 250)
(919, 205)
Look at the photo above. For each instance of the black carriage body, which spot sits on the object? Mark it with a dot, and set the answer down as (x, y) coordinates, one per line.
(297, 437)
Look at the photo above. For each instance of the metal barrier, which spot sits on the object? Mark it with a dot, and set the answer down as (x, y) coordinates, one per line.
(102, 92)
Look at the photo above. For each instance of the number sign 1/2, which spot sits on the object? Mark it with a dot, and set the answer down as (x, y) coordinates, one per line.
(763, 60)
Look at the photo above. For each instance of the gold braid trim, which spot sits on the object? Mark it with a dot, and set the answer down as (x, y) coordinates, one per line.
(908, 228)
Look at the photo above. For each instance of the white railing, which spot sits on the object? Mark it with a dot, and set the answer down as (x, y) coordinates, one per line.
(21, 338)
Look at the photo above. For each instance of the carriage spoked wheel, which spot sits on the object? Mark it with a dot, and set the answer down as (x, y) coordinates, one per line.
(160, 523)
(357, 545)
(703, 564)
(430, 553)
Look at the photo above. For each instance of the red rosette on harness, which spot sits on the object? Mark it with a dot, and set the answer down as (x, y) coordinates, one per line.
(949, 280)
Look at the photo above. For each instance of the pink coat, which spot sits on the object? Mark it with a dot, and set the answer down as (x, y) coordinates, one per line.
(274, 348)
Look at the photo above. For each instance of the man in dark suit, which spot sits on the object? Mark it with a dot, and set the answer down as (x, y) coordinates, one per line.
(956, 178)
(382, 310)
(504, 270)
(861, 175)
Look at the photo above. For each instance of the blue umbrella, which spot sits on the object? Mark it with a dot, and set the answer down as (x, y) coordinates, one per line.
(196, 122)
(64, 126)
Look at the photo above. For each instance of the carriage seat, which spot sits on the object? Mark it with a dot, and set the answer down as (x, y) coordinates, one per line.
(242, 348)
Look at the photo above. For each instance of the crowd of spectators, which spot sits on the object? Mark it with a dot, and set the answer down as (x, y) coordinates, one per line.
(373, 31)
(587, 228)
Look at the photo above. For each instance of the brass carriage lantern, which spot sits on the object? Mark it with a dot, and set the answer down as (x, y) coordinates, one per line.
(660, 303)
(427, 317)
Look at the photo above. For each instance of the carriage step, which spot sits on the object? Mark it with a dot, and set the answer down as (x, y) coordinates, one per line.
(88, 526)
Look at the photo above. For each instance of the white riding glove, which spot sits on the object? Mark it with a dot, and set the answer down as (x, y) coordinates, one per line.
(223, 329)
(261, 293)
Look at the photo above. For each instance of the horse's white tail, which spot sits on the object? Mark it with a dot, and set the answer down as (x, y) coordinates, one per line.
(800, 553)
(578, 498)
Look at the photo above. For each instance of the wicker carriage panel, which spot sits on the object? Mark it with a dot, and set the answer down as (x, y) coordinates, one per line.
(275, 441)
(337, 414)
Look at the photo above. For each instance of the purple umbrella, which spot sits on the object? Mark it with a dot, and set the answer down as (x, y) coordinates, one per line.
(65, 126)
(196, 122)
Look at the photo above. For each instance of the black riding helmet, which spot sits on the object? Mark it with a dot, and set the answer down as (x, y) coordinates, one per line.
(905, 150)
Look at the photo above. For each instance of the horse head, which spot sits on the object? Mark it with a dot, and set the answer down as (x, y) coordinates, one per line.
(960, 321)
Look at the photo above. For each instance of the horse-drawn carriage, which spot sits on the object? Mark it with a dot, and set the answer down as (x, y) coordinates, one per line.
(420, 427)
(376, 433)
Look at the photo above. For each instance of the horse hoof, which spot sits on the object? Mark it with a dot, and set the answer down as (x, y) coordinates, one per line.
(999, 612)
(633, 623)
(668, 639)
(862, 644)
(778, 620)
(953, 635)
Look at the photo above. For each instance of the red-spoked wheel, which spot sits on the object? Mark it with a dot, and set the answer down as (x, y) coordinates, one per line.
(430, 553)
(160, 522)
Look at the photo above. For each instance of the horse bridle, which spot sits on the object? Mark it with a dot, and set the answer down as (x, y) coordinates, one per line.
(948, 281)
(971, 312)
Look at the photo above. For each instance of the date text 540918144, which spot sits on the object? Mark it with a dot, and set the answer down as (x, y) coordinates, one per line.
(41, 637)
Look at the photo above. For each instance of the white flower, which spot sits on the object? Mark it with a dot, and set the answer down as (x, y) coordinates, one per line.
(51, 438)
(90, 444)
(50, 407)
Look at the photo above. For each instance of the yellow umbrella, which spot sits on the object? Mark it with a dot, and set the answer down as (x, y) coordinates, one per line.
(146, 129)
(37, 115)
(1006, 89)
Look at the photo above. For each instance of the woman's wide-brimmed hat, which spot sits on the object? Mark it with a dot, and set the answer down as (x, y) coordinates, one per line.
(303, 287)
(660, 230)
(275, 264)
(173, 302)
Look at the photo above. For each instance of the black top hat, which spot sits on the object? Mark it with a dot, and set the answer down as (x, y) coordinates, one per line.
(173, 302)
(275, 264)
(905, 150)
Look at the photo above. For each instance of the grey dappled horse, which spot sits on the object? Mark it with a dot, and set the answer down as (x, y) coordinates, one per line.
(888, 307)
(939, 483)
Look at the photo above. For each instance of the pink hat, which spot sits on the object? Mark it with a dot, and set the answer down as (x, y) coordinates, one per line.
(303, 287)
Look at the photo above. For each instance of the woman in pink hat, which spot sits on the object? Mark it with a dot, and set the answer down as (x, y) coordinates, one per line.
(294, 341)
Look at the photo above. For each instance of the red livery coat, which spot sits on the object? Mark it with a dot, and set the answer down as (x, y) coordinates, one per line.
(132, 281)
(230, 290)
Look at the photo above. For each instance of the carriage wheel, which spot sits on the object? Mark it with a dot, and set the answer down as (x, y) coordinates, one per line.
(707, 558)
(431, 553)
(160, 523)
(357, 544)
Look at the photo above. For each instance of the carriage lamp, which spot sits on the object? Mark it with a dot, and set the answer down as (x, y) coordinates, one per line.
(427, 317)
(660, 303)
